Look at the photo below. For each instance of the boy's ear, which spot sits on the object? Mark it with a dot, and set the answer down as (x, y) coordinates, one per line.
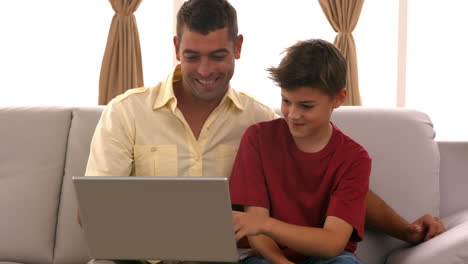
(340, 98)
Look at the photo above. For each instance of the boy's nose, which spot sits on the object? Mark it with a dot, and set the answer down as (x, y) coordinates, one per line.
(294, 113)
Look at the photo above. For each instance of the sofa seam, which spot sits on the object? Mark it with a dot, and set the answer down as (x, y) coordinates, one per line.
(72, 110)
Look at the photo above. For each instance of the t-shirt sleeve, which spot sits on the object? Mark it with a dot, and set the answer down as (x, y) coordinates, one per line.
(247, 182)
(348, 198)
(111, 150)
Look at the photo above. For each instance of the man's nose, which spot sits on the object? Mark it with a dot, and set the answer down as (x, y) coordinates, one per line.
(205, 67)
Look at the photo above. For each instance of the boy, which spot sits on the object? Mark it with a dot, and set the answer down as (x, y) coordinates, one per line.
(302, 182)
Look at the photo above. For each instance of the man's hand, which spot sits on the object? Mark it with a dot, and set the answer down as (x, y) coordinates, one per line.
(423, 229)
(248, 224)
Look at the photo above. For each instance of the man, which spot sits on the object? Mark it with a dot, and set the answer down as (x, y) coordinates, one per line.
(191, 124)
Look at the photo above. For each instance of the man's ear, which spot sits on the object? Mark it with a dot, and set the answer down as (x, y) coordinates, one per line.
(176, 47)
(340, 98)
(238, 46)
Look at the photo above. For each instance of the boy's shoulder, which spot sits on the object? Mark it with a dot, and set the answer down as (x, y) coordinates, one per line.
(350, 146)
(267, 130)
(270, 125)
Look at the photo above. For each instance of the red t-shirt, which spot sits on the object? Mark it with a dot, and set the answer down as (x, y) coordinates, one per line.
(302, 188)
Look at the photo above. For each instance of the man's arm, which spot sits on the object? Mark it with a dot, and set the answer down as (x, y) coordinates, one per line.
(381, 217)
(113, 142)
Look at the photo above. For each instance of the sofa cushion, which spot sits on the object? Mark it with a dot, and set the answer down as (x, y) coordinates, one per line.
(70, 244)
(405, 165)
(453, 176)
(34, 140)
(448, 248)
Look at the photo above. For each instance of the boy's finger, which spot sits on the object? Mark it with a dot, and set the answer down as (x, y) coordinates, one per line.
(239, 235)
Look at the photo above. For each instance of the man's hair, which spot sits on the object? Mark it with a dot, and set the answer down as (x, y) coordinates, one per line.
(313, 63)
(205, 16)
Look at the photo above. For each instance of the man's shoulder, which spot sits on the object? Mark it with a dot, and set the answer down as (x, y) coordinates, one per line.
(253, 105)
(131, 93)
(137, 97)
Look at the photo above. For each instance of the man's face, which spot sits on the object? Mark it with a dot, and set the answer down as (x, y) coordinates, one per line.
(207, 62)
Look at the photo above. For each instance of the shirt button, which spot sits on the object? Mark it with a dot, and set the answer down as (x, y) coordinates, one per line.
(153, 149)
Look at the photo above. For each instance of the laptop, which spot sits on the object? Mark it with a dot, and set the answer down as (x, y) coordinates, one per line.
(187, 219)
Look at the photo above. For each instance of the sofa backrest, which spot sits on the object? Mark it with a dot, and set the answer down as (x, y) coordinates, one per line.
(405, 165)
(43, 147)
(32, 157)
(70, 247)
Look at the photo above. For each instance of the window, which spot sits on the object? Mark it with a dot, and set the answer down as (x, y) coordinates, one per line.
(376, 37)
(436, 68)
(51, 57)
(266, 37)
(51, 51)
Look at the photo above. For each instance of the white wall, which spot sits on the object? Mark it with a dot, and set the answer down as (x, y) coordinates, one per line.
(50, 57)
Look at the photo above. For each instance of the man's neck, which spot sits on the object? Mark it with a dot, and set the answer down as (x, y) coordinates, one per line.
(194, 110)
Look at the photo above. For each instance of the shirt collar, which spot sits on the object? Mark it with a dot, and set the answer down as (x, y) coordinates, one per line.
(233, 95)
(167, 95)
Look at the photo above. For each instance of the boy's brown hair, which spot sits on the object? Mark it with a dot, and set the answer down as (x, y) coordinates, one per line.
(313, 63)
(205, 16)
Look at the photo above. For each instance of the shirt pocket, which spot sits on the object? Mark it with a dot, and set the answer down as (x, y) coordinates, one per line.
(155, 160)
(226, 154)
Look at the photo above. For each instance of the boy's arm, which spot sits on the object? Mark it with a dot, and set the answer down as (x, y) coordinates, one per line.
(381, 217)
(326, 242)
(264, 245)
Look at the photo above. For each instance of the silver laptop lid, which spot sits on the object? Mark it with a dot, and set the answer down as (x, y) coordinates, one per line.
(157, 218)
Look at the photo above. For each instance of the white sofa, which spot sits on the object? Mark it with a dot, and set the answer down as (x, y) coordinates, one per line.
(43, 147)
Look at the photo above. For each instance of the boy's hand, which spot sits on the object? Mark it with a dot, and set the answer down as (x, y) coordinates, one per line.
(248, 224)
(423, 229)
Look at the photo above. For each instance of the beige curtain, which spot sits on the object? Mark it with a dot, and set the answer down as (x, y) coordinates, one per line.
(343, 15)
(121, 66)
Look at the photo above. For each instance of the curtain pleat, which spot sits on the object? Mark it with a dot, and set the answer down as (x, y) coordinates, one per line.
(343, 16)
(121, 65)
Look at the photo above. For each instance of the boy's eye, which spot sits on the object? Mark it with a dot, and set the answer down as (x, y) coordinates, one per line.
(285, 101)
(307, 106)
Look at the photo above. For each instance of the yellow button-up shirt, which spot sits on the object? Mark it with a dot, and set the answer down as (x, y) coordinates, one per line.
(143, 133)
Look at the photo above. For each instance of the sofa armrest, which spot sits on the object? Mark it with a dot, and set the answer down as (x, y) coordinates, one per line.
(453, 176)
(448, 248)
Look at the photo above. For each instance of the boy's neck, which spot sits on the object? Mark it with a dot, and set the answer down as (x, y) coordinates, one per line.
(317, 142)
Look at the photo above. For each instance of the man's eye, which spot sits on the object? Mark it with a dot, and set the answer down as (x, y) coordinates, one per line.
(191, 58)
(218, 58)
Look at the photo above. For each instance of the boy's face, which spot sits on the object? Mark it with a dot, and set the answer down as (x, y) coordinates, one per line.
(307, 110)
(207, 62)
